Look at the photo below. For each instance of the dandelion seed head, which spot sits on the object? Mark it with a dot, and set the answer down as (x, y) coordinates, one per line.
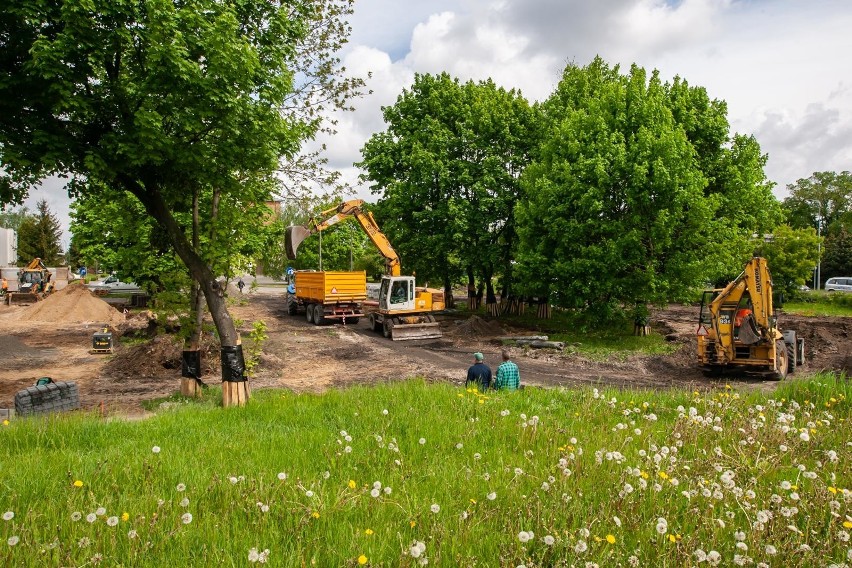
(186, 518)
(282, 475)
(112, 521)
(13, 540)
(156, 449)
(435, 508)
(8, 515)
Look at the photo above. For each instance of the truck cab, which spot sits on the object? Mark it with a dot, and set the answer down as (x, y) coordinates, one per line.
(397, 294)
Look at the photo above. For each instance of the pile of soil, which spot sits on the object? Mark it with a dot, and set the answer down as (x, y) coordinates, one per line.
(475, 326)
(73, 304)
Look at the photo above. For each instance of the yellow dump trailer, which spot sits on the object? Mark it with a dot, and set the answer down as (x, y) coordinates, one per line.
(327, 296)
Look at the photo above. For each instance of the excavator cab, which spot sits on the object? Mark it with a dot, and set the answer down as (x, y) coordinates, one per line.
(397, 294)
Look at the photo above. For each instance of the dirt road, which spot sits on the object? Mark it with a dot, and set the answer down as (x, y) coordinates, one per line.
(304, 357)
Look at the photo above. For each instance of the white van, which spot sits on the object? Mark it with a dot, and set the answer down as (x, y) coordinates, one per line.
(839, 283)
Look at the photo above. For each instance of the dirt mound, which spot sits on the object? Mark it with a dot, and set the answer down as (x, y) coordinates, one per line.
(475, 326)
(73, 304)
(160, 359)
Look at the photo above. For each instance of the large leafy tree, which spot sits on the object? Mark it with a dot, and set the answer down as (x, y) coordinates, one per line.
(822, 201)
(12, 217)
(621, 208)
(791, 255)
(446, 169)
(837, 255)
(39, 236)
(168, 101)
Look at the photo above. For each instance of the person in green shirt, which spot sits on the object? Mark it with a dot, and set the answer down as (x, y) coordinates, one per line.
(508, 377)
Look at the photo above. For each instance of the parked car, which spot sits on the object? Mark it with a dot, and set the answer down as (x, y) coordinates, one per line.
(113, 284)
(839, 284)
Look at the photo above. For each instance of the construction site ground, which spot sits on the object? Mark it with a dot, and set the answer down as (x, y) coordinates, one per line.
(54, 338)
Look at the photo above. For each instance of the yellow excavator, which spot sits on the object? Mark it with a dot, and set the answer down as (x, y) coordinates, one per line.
(738, 327)
(405, 311)
(33, 284)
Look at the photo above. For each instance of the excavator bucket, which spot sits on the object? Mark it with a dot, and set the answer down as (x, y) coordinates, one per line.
(22, 298)
(406, 331)
(293, 237)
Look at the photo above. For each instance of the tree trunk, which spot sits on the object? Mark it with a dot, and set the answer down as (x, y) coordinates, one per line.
(235, 389)
(471, 290)
(191, 383)
(449, 301)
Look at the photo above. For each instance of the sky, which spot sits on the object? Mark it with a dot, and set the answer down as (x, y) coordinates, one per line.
(784, 67)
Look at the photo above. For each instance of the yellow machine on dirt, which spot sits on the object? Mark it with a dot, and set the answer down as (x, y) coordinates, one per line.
(738, 327)
(405, 311)
(33, 284)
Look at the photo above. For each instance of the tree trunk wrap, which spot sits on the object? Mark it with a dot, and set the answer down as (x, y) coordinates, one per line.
(233, 364)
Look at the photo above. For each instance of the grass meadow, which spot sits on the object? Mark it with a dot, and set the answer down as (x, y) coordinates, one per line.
(413, 474)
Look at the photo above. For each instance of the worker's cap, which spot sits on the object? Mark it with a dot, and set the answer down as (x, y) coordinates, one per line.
(478, 356)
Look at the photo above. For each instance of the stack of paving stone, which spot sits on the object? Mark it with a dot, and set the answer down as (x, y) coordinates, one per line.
(52, 397)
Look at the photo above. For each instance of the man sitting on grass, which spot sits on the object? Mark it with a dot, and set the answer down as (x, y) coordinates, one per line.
(508, 377)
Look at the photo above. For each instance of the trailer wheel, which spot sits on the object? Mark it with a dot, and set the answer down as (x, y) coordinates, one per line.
(319, 314)
(309, 313)
(781, 361)
(353, 321)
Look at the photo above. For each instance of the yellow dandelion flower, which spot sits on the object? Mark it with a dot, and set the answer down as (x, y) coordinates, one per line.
(125, 516)
(672, 538)
(5, 422)
(78, 483)
(644, 475)
(315, 514)
(362, 560)
(473, 501)
(368, 532)
(833, 490)
(663, 474)
(460, 395)
(847, 524)
(481, 401)
(597, 538)
(413, 524)
(610, 538)
(351, 484)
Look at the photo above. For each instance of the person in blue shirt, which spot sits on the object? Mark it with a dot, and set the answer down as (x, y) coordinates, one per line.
(479, 374)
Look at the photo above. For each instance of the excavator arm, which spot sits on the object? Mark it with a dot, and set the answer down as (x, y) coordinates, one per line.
(353, 208)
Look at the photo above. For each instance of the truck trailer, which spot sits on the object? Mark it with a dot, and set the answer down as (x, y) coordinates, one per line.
(327, 296)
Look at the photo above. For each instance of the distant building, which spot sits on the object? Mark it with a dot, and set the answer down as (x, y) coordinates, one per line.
(8, 247)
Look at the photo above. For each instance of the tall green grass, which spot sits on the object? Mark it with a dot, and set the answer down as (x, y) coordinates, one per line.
(536, 477)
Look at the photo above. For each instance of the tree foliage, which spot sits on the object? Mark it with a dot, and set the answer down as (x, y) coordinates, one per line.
(173, 103)
(446, 169)
(12, 217)
(39, 236)
(837, 254)
(824, 201)
(791, 255)
(639, 194)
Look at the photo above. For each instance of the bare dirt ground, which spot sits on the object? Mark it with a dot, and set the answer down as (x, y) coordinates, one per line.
(55, 340)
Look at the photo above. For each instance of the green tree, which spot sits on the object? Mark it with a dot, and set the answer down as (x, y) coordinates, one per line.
(169, 102)
(791, 255)
(822, 201)
(39, 236)
(621, 210)
(12, 217)
(837, 254)
(447, 170)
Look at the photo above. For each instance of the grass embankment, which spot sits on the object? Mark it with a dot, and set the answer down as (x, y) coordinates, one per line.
(827, 304)
(537, 477)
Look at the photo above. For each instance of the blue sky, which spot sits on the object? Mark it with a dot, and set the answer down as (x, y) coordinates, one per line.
(782, 66)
